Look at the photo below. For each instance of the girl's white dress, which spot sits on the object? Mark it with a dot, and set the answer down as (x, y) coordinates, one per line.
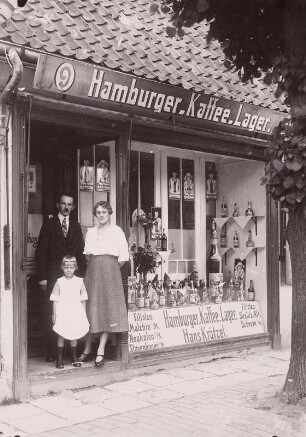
(71, 321)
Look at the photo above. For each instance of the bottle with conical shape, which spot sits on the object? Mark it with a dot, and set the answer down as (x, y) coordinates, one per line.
(214, 263)
(249, 211)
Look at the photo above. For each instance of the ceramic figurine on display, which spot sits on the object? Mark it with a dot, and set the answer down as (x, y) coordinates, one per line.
(180, 297)
(204, 294)
(219, 294)
(154, 301)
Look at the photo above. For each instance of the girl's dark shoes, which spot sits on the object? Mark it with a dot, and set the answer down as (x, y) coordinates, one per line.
(84, 357)
(59, 359)
(99, 360)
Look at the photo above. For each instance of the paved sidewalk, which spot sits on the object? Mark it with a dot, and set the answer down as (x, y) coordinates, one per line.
(224, 397)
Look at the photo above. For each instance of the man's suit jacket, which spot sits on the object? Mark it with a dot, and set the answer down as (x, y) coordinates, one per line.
(53, 246)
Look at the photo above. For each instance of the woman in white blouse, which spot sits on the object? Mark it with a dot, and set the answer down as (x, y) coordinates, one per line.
(106, 249)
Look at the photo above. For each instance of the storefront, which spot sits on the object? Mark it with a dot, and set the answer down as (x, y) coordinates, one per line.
(174, 164)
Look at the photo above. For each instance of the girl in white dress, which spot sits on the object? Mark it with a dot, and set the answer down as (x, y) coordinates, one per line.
(69, 297)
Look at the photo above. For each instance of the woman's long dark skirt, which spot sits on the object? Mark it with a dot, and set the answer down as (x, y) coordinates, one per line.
(106, 309)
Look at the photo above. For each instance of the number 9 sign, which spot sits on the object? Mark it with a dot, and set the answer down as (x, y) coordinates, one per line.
(64, 76)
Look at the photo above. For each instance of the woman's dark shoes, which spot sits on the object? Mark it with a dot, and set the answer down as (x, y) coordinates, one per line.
(99, 360)
(84, 357)
(76, 364)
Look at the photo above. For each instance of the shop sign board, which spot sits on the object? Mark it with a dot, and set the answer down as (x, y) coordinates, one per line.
(168, 327)
(122, 92)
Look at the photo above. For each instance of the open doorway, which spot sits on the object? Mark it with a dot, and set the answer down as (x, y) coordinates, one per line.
(57, 153)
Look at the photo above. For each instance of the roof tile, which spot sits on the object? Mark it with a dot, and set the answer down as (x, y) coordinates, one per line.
(122, 35)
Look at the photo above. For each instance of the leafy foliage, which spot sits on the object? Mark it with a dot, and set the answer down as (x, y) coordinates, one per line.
(145, 259)
(285, 173)
(261, 39)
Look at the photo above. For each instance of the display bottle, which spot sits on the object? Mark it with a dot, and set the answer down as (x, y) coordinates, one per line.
(235, 210)
(236, 239)
(241, 292)
(158, 243)
(214, 263)
(164, 241)
(162, 297)
(131, 298)
(147, 300)
(249, 211)
(140, 297)
(192, 294)
(223, 237)
(224, 210)
(251, 291)
(230, 287)
(250, 242)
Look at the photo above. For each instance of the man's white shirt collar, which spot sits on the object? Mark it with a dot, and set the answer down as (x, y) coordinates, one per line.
(61, 217)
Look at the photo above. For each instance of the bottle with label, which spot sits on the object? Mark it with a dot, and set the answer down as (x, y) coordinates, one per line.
(236, 239)
(251, 291)
(235, 210)
(223, 237)
(230, 287)
(158, 242)
(224, 210)
(140, 297)
(249, 211)
(250, 242)
(214, 263)
(164, 241)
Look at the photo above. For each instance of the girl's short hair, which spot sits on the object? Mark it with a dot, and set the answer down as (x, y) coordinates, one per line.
(103, 204)
(69, 258)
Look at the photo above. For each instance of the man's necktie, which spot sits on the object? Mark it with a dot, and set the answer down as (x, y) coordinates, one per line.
(64, 227)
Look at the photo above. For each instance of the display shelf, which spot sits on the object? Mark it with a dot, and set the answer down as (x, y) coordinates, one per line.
(241, 221)
(242, 252)
(220, 221)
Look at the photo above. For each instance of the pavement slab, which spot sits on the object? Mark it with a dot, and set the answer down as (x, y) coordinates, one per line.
(228, 397)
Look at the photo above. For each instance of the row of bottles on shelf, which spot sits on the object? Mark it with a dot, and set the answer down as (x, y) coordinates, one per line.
(167, 293)
(235, 289)
(224, 209)
(236, 240)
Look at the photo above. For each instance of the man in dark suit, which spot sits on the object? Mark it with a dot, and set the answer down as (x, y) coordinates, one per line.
(59, 236)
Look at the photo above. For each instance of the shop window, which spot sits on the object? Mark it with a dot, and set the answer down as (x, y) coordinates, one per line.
(141, 190)
(94, 180)
(181, 214)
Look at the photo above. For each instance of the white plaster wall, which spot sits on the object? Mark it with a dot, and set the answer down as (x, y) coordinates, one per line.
(6, 302)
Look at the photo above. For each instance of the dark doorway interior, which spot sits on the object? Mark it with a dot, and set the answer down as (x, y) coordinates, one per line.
(53, 169)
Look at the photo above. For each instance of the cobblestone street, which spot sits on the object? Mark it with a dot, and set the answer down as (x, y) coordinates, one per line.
(223, 397)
